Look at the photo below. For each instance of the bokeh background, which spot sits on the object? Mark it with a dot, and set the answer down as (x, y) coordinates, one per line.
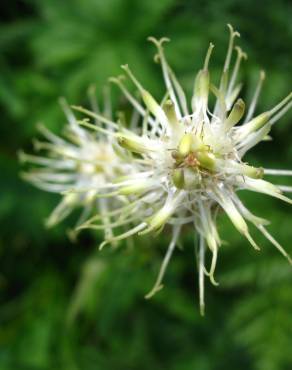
(65, 306)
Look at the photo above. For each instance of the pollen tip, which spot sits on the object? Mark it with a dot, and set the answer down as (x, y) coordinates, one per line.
(62, 100)
(153, 291)
(252, 242)
(152, 39)
(158, 42)
(76, 107)
(262, 75)
(164, 39)
(116, 79)
(156, 58)
(91, 89)
(241, 53)
(113, 80)
(202, 310)
(104, 243)
(213, 281)
(233, 33)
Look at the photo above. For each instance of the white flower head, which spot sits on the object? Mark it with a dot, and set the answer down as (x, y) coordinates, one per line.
(78, 166)
(187, 159)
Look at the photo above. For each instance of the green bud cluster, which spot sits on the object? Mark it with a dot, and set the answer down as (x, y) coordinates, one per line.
(191, 158)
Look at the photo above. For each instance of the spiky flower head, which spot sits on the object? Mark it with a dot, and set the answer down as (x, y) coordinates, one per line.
(76, 166)
(187, 160)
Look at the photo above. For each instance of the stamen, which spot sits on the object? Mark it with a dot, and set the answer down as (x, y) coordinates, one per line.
(208, 55)
(111, 225)
(94, 127)
(233, 34)
(252, 242)
(180, 93)
(202, 275)
(128, 95)
(235, 115)
(125, 235)
(63, 209)
(158, 286)
(137, 187)
(126, 68)
(165, 71)
(256, 95)
(71, 119)
(68, 112)
(52, 188)
(213, 266)
(159, 218)
(49, 135)
(43, 161)
(115, 212)
(96, 116)
(253, 139)
(148, 99)
(274, 242)
(281, 104)
(285, 189)
(135, 143)
(230, 99)
(145, 124)
(269, 171)
(107, 111)
(169, 109)
(93, 102)
(281, 113)
(240, 55)
(224, 76)
(265, 187)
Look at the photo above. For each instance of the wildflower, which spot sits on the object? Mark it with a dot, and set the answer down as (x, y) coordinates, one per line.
(77, 166)
(187, 161)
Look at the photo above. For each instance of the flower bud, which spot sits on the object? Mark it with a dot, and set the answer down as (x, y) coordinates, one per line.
(135, 188)
(207, 160)
(201, 88)
(202, 84)
(169, 110)
(132, 143)
(235, 114)
(159, 219)
(153, 107)
(185, 144)
(234, 215)
(254, 125)
(178, 178)
(253, 172)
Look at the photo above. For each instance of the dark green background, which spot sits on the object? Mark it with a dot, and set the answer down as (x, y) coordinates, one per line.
(64, 306)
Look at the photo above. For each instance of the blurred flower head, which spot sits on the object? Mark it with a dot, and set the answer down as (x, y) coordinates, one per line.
(76, 166)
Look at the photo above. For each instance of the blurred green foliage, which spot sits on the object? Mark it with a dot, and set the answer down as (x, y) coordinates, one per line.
(64, 306)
